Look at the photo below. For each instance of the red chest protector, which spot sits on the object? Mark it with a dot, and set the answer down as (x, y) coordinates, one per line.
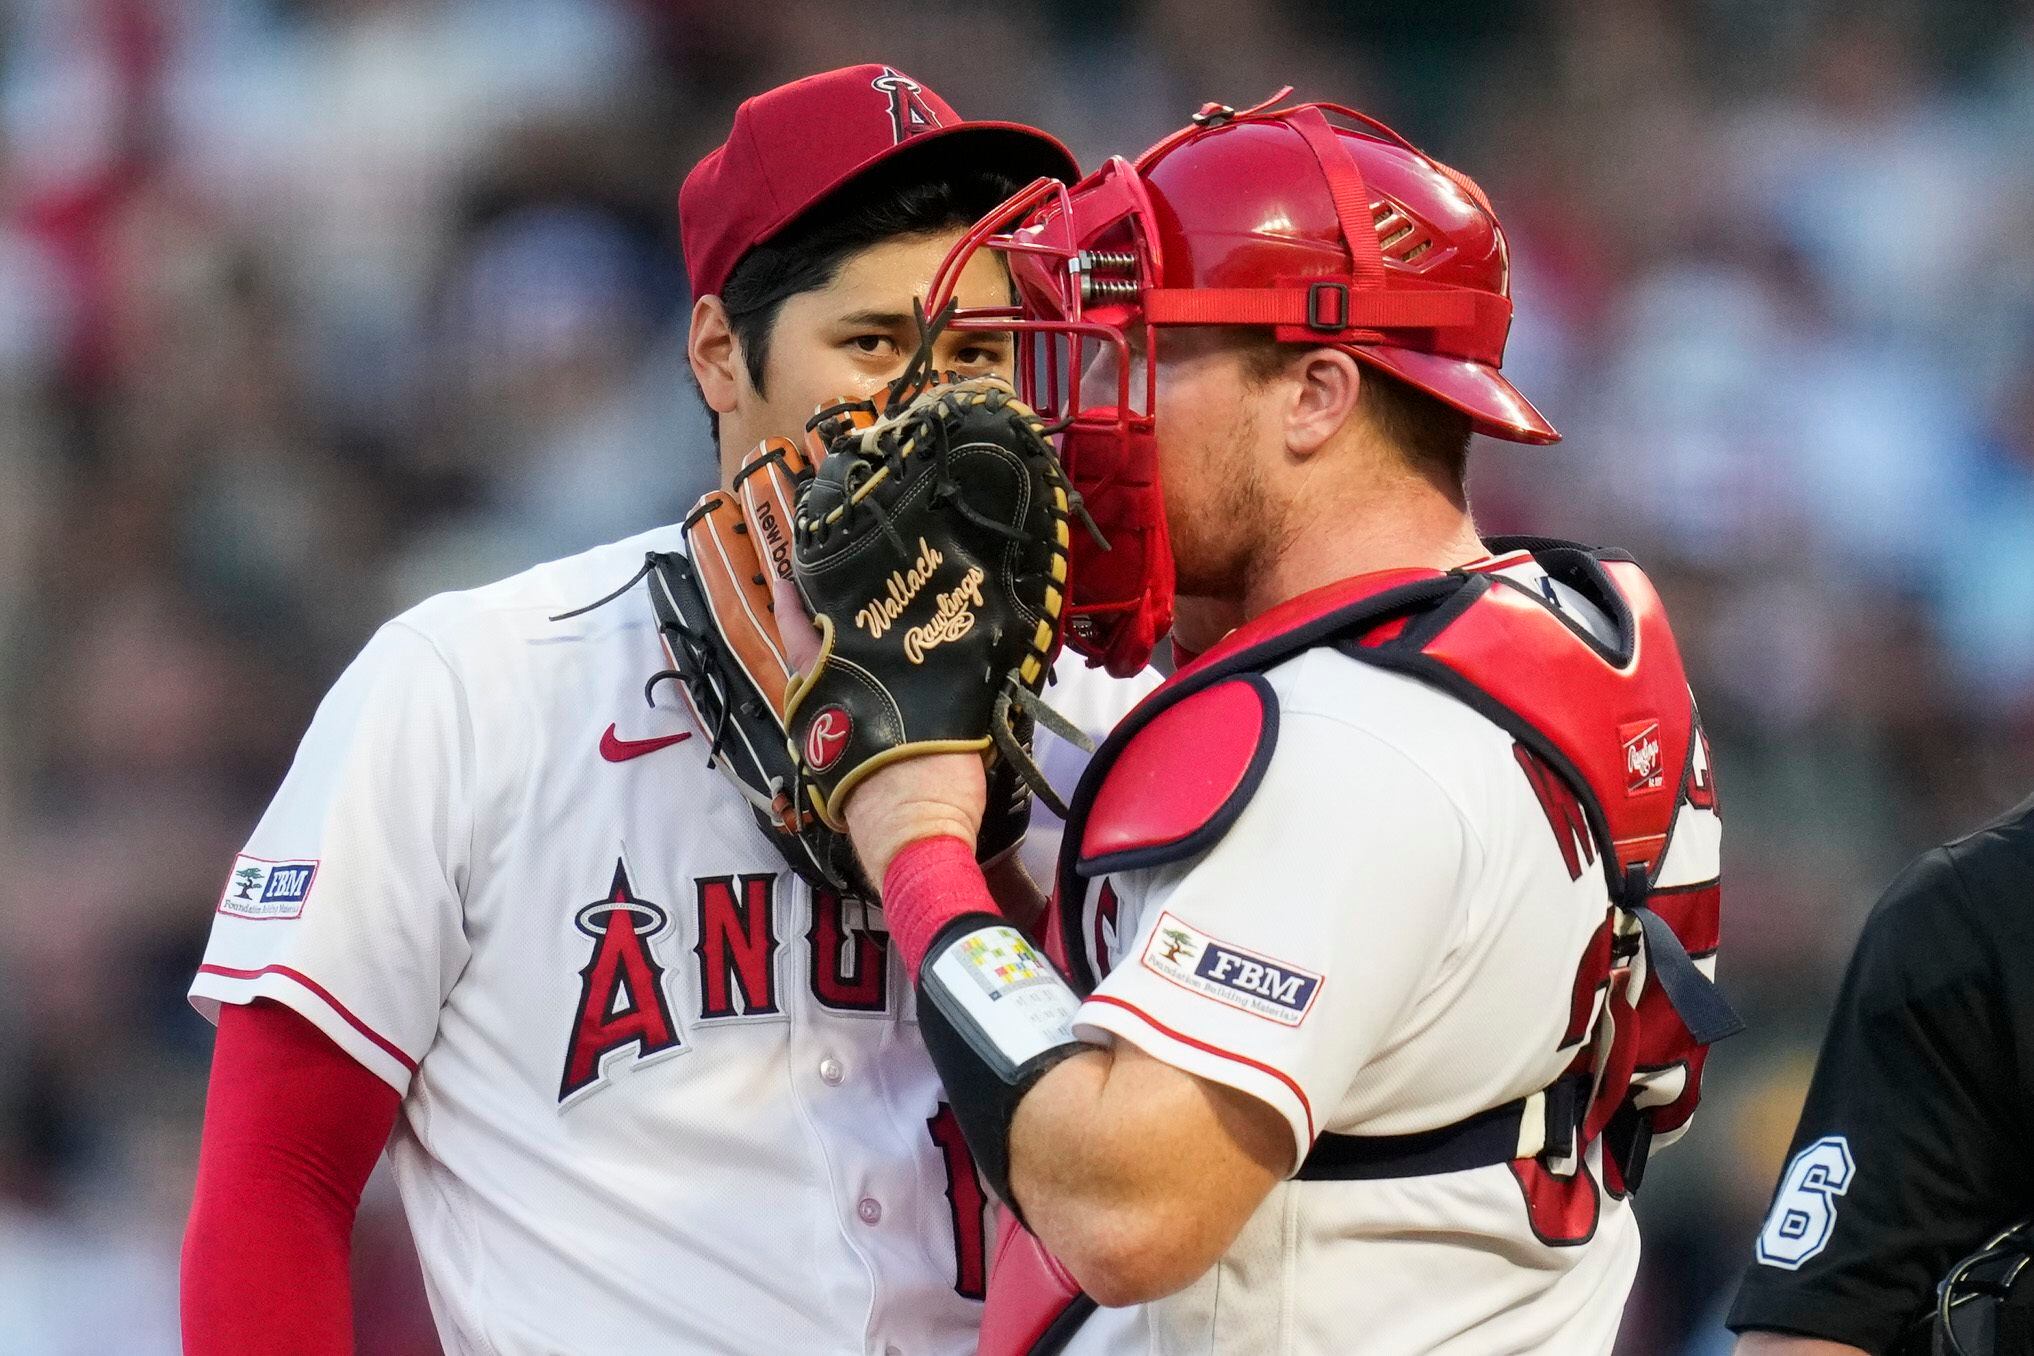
(1614, 724)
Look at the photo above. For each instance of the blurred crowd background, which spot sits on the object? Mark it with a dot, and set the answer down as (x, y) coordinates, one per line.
(311, 308)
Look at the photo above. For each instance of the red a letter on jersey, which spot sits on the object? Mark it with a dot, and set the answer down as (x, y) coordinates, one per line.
(1108, 928)
(621, 990)
(737, 947)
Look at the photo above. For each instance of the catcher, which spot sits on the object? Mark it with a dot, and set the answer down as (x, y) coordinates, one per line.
(1384, 928)
(644, 1087)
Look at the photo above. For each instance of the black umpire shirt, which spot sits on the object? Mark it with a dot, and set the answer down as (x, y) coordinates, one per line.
(1917, 1140)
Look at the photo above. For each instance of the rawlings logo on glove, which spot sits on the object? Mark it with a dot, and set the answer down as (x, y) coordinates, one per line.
(954, 619)
(827, 738)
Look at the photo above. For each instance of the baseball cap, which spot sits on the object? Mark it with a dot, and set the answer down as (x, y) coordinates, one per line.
(792, 146)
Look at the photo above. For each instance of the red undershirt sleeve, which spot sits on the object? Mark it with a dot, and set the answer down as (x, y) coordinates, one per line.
(293, 1126)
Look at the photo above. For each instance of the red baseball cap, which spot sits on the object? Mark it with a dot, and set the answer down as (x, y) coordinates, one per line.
(793, 145)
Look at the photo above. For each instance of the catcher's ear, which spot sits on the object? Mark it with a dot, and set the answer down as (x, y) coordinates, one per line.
(1322, 399)
(715, 356)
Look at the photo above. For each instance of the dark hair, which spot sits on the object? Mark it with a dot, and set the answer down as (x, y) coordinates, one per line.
(906, 197)
(1432, 437)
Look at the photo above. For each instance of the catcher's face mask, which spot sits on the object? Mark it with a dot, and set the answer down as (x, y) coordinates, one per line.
(1078, 259)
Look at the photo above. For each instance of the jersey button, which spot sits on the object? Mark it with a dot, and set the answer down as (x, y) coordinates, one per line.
(871, 1210)
(831, 1071)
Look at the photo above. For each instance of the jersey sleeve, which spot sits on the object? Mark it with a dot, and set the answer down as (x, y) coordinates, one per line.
(1905, 1157)
(1279, 960)
(345, 904)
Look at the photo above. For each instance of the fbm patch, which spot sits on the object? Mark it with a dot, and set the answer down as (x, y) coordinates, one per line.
(1190, 958)
(259, 888)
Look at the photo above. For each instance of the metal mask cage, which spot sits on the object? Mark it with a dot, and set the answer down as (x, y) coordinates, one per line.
(1078, 258)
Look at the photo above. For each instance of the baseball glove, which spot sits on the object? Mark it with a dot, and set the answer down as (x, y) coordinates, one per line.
(717, 617)
(931, 548)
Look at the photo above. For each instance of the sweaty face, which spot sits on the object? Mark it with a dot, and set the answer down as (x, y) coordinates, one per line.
(855, 335)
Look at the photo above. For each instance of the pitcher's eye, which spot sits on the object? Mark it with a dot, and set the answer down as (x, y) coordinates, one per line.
(875, 345)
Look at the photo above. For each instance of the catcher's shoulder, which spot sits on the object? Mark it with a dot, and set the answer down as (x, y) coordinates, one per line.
(1186, 768)
(1380, 721)
(1180, 774)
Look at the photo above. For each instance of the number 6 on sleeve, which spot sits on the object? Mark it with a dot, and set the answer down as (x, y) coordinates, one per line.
(1804, 1210)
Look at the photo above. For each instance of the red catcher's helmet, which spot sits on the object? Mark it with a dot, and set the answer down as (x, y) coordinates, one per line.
(1339, 233)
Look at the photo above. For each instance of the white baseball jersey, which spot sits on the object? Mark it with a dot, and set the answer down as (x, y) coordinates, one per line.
(658, 1094)
(1386, 941)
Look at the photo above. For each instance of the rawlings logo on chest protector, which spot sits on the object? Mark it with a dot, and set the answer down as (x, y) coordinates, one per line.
(1643, 768)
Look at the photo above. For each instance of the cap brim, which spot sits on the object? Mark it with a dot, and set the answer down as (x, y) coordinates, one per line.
(1024, 153)
(1494, 406)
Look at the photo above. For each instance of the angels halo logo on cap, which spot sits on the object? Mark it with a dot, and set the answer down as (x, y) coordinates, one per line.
(826, 739)
(792, 147)
(909, 113)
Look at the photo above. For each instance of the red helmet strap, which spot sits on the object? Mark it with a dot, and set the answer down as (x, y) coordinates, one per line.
(1473, 324)
(1346, 187)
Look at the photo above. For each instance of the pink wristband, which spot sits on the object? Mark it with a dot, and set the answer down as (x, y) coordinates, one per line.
(929, 884)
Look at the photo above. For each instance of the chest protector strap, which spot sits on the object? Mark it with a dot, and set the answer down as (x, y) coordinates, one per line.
(1614, 722)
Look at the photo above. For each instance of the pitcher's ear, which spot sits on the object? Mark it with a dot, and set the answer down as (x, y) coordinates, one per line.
(715, 355)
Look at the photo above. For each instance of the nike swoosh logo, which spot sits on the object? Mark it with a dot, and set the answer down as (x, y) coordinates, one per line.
(618, 750)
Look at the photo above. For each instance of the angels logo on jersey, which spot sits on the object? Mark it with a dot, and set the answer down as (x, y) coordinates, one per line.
(621, 990)
(726, 973)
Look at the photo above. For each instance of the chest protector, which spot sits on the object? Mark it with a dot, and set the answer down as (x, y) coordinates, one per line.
(1615, 723)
